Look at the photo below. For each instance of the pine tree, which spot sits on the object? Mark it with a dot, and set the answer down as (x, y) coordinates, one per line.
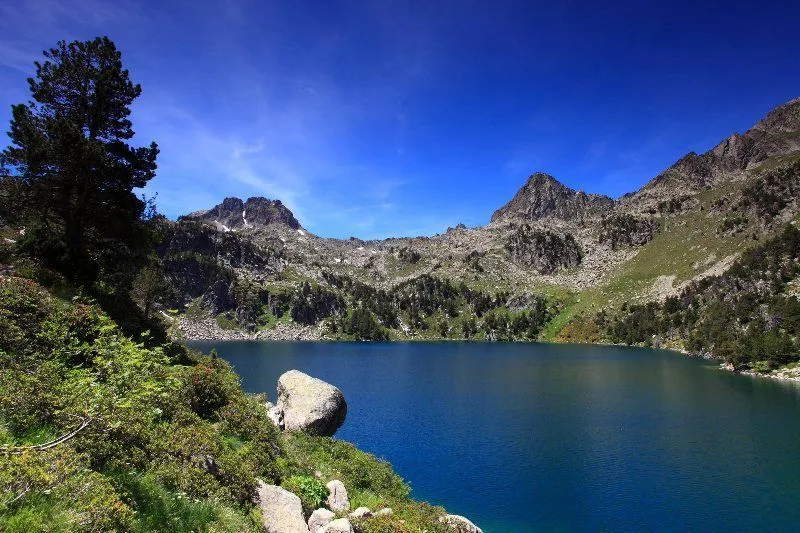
(69, 174)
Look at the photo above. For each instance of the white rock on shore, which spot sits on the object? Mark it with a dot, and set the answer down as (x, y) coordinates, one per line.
(361, 513)
(319, 519)
(460, 524)
(308, 404)
(342, 525)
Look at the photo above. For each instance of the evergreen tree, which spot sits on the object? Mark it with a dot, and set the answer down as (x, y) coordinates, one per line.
(69, 173)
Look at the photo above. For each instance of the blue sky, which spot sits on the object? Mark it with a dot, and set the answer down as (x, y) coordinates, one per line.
(382, 118)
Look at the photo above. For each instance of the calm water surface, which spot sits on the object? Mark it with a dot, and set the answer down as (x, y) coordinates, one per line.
(538, 437)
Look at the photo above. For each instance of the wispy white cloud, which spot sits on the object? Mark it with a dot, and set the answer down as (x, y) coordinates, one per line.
(232, 119)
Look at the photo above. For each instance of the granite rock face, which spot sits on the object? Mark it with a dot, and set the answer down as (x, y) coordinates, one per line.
(544, 251)
(460, 524)
(319, 519)
(234, 214)
(342, 525)
(543, 196)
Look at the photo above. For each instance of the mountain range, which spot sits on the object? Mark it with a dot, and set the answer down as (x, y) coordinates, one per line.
(240, 268)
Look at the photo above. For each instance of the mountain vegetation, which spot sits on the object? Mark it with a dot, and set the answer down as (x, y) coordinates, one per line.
(744, 316)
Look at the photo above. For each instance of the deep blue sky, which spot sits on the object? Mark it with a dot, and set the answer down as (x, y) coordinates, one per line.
(379, 118)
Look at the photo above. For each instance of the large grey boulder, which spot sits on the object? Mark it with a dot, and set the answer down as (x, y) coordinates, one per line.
(281, 511)
(319, 519)
(342, 525)
(337, 496)
(460, 524)
(308, 404)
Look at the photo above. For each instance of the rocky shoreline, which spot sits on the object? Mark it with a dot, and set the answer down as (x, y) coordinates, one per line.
(208, 330)
(781, 374)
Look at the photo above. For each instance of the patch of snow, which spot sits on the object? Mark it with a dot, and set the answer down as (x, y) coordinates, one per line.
(301, 232)
(244, 217)
(337, 260)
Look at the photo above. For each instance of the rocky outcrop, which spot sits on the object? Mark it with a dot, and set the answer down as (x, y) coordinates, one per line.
(308, 404)
(626, 229)
(281, 511)
(202, 262)
(234, 214)
(544, 196)
(543, 251)
(338, 500)
(319, 519)
(778, 134)
(274, 414)
(341, 525)
(460, 524)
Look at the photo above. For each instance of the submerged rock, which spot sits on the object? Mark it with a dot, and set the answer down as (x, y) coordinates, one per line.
(281, 511)
(308, 404)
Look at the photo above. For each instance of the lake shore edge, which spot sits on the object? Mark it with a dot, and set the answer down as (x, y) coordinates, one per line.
(209, 331)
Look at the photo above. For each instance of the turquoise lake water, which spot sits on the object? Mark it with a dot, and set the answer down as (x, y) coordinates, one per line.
(540, 437)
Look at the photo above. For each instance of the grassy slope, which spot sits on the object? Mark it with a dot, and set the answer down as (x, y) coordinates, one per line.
(686, 246)
(135, 467)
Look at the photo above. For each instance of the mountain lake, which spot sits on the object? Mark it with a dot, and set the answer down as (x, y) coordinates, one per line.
(547, 437)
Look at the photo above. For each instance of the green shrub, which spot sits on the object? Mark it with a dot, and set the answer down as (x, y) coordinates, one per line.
(312, 491)
(209, 385)
(36, 487)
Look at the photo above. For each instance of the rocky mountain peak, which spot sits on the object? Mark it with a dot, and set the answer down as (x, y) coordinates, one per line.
(544, 196)
(233, 214)
(784, 118)
(776, 135)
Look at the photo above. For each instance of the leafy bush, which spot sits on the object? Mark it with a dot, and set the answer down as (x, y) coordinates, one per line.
(312, 491)
(209, 385)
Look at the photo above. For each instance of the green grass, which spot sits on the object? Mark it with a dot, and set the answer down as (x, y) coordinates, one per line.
(40, 514)
(227, 321)
(195, 309)
(269, 321)
(158, 509)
